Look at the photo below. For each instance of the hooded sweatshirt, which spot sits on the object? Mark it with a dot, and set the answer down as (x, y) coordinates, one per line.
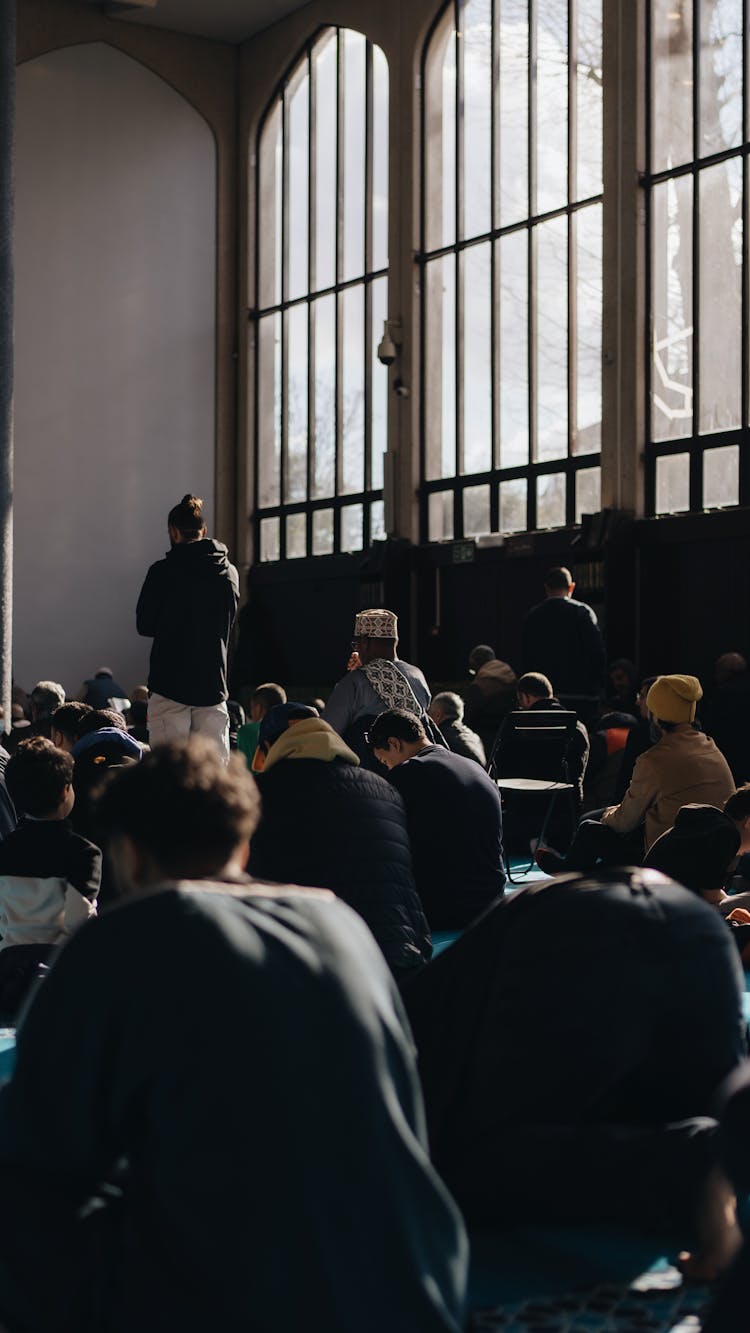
(187, 605)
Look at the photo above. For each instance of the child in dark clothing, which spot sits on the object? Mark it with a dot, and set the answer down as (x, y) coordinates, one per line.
(49, 876)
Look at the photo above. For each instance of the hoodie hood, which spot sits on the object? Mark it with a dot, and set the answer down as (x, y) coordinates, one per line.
(311, 738)
(207, 557)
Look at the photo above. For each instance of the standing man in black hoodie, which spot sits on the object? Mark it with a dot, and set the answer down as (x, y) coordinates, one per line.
(187, 606)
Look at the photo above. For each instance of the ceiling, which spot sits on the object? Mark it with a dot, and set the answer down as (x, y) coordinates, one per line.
(224, 20)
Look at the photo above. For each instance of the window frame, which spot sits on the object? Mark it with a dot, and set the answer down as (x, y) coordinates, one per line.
(340, 499)
(533, 469)
(694, 444)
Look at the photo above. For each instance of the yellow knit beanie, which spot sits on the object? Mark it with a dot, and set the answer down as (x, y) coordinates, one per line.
(673, 698)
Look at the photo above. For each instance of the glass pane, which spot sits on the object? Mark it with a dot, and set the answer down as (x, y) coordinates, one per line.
(296, 536)
(551, 105)
(351, 527)
(513, 326)
(672, 82)
(353, 399)
(379, 159)
(588, 492)
(476, 34)
(322, 535)
(513, 505)
(299, 173)
(440, 516)
(269, 411)
(477, 385)
(270, 538)
(550, 501)
(324, 323)
(379, 296)
(270, 166)
(513, 128)
(720, 323)
(673, 484)
(324, 184)
(589, 102)
(587, 431)
(377, 521)
(476, 511)
(551, 298)
(295, 480)
(721, 477)
(440, 221)
(672, 318)
(354, 154)
(440, 369)
(720, 75)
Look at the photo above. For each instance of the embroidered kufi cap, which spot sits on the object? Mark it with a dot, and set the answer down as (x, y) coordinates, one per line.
(376, 624)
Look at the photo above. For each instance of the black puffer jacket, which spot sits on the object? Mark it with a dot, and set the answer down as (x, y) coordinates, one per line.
(332, 825)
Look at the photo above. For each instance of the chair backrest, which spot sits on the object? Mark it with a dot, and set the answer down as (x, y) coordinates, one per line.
(533, 743)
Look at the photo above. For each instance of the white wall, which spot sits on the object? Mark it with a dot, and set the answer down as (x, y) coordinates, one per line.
(115, 316)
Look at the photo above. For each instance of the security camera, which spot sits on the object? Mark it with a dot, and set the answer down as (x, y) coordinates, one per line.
(390, 341)
(387, 351)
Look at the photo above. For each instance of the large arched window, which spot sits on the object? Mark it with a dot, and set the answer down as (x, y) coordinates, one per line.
(698, 456)
(511, 266)
(322, 297)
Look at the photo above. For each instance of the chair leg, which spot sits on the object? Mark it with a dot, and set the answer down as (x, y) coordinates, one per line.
(545, 821)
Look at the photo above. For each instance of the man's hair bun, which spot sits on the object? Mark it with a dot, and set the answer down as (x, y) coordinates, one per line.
(187, 516)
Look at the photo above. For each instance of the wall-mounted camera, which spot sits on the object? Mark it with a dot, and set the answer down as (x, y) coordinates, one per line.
(388, 347)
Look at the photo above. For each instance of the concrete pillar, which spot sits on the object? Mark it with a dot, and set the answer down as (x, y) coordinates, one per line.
(624, 332)
(7, 119)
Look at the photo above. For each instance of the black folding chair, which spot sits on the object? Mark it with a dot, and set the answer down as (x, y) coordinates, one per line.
(530, 757)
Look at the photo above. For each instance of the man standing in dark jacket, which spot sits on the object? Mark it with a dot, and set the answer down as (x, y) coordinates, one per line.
(562, 639)
(187, 606)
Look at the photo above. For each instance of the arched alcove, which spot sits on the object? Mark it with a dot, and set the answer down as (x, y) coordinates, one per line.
(115, 360)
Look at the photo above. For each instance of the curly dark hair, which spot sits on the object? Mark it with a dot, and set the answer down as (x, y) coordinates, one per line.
(183, 806)
(36, 776)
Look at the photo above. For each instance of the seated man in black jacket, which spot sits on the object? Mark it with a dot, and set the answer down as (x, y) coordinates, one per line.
(454, 817)
(233, 1054)
(447, 712)
(332, 824)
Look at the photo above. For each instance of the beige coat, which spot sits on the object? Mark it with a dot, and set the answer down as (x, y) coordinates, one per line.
(682, 768)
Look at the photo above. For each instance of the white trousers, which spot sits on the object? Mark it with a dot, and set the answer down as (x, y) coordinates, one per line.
(170, 721)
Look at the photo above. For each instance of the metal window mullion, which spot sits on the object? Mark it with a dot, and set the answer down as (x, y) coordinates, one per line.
(744, 468)
(649, 478)
(256, 355)
(571, 250)
(494, 218)
(459, 302)
(696, 471)
(367, 303)
(339, 331)
(311, 267)
(284, 423)
(423, 502)
(531, 267)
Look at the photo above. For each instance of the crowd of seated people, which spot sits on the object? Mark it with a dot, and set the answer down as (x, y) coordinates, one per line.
(269, 1051)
